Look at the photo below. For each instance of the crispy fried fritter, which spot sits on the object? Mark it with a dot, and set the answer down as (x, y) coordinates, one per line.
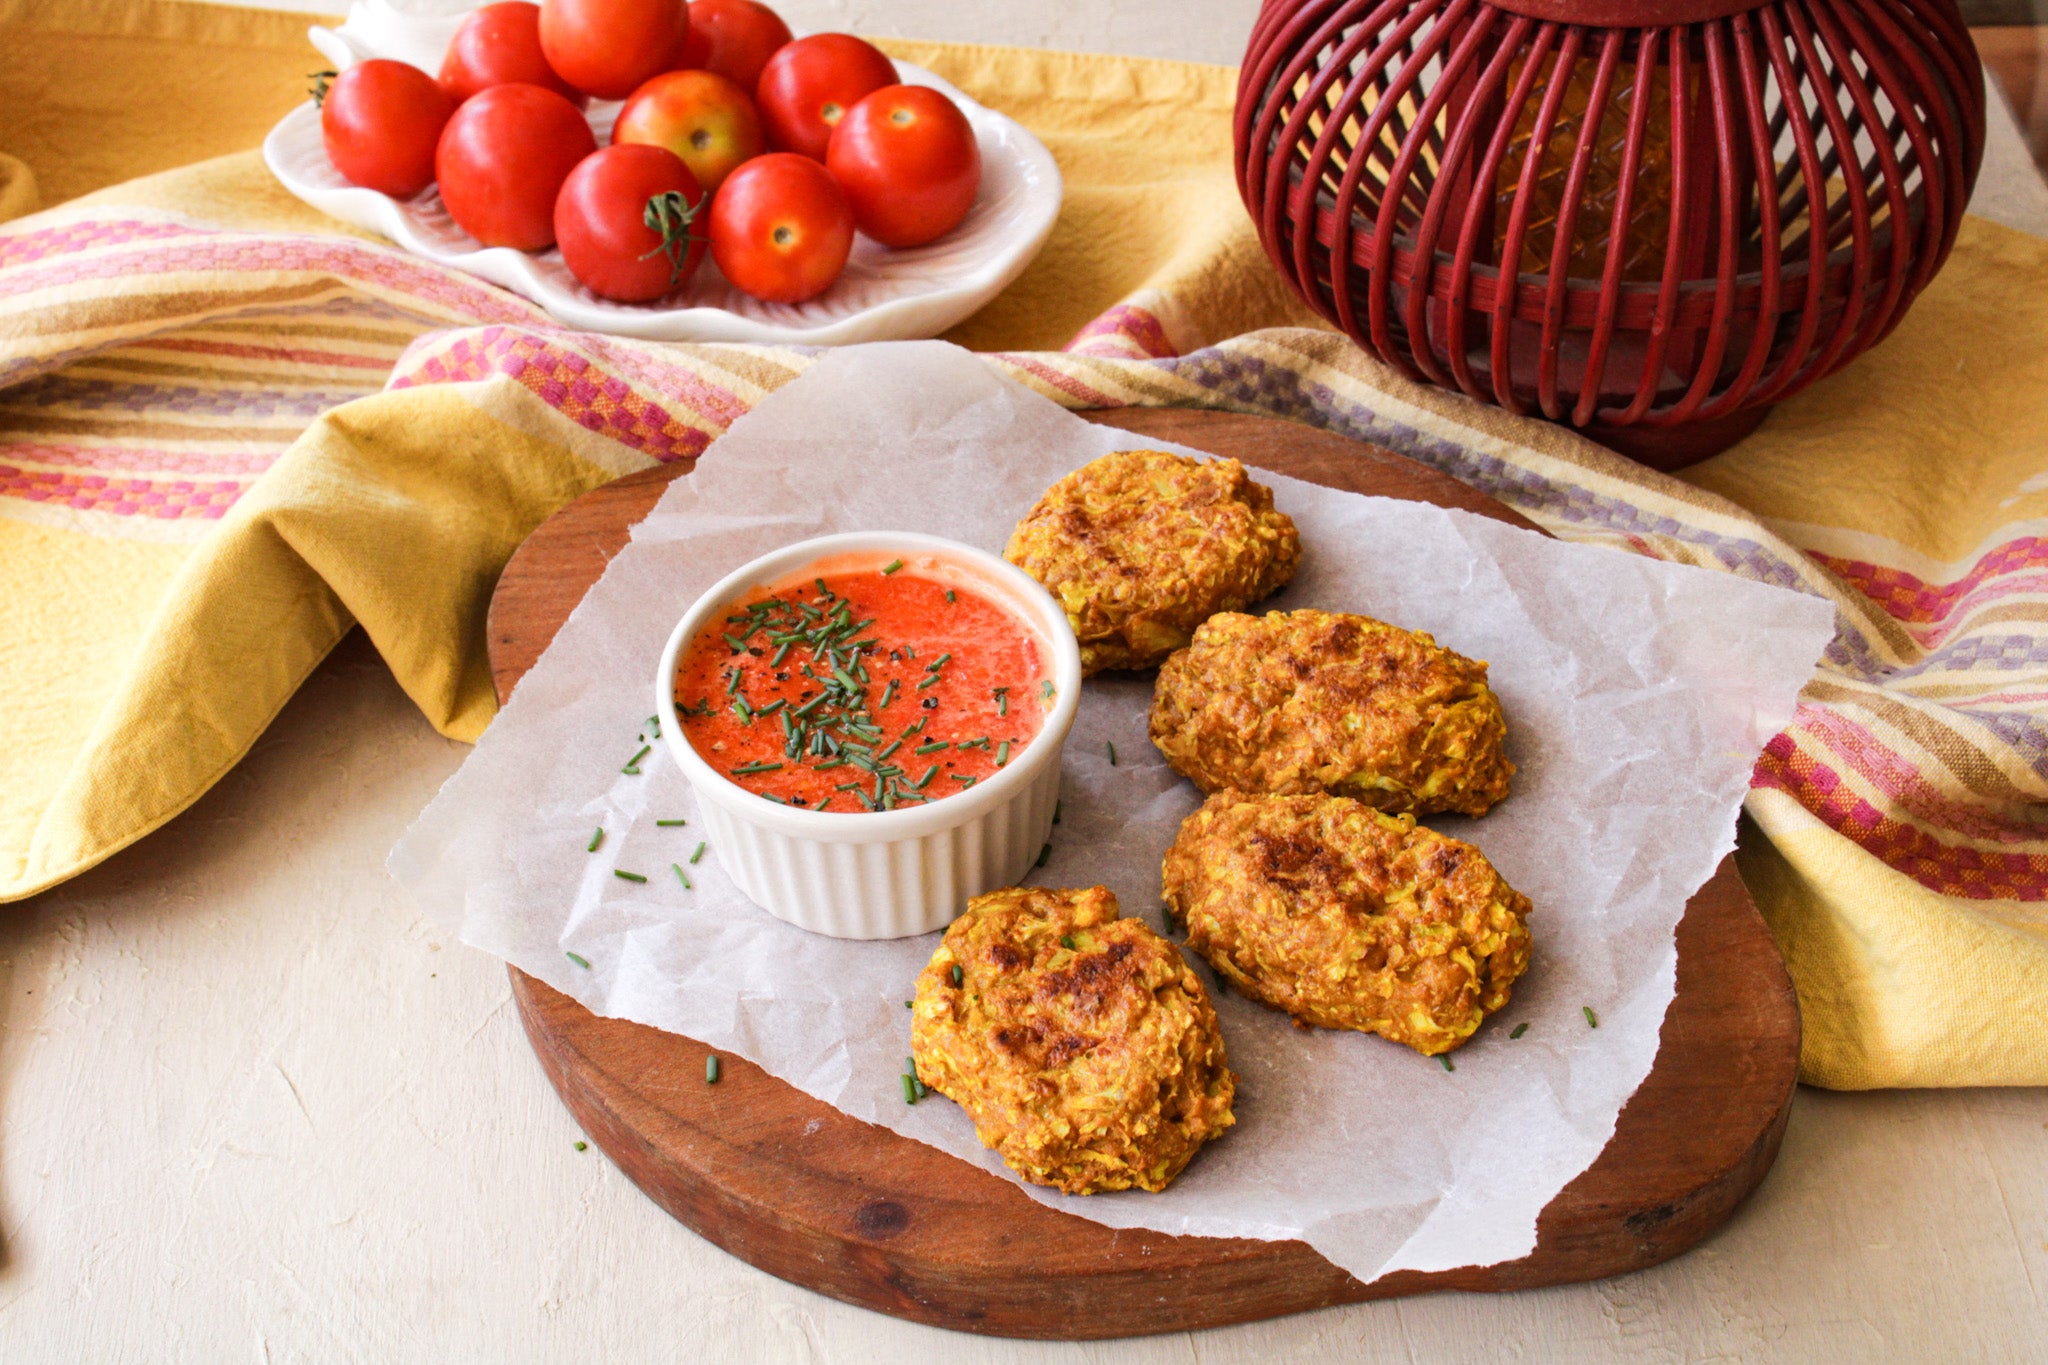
(1314, 701)
(1082, 1045)
(1142, 546)
(1348, 918)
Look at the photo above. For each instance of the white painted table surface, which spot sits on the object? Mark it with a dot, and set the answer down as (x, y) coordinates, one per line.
(253, 1105)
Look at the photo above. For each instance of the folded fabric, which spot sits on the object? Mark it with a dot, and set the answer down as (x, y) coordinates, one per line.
(231, 430)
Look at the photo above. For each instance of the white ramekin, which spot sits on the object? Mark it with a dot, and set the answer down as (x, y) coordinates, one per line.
(883, 874)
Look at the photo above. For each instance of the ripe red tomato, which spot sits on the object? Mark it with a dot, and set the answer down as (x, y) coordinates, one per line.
(625, 222)
(780, 228)
(734, 38)
(500, 45)
(606, 48)
(808, 86)
(502, 160)
(907, 160)
(380, 121)
(705, 119)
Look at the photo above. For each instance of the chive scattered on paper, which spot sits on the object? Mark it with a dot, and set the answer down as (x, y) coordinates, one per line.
(1592, 1019)
(1112, 752)
(626, 876)
(580, 960)
(595, 839)
(633, 763)
(711, 1069)
(1520, 1029)
(909, 1089)
(682, 876)
(670, 824)
(582, 1146)
(1444, 1060)
(698, 854)
(907, 1005)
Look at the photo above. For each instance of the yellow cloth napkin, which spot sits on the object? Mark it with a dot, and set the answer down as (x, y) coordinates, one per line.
(183, 534)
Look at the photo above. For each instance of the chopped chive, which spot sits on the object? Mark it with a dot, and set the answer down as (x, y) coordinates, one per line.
(682, 876)
(670, 824)
(908, 1005)
(1002, 753)
(909, 1090)
(949, 594)
(931, 746)
(711, 1069)
(1043, 855)
(893, 747)
(749, 769)
(910, 1070)
(580, 960)
(742, 710)
(595, 840)
(1067, 942)
(926, 780)
(957, 974)
(936, 664)
(781, 653)
(926, 683)
(1592, 1019)
(1520, 1029)
(739, 646)
(698, 854)
(964, 780)
(828, 765)
(770, 709)
(918, 728)
(1112, 753)
(1045, 689)
(888, 695)
(732, 684)
(1002, 701)
(633, 763)
(823, 591)
(582, 1146)
(1444, 1060)
(626, 876)
(892, 566)
(809, 706)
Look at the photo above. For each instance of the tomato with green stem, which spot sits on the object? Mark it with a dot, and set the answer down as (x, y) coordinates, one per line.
(781, 229)
(380, 122)
(625, 220)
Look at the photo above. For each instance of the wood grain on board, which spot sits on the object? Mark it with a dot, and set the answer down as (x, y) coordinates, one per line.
(827, 1201)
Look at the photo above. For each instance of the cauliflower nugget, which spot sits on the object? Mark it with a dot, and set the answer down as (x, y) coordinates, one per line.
(1345, 917)
(1314, 701)
(1140, 547)
(1082, 1045)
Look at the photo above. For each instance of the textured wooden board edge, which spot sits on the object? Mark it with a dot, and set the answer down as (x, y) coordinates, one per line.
(805, 1192)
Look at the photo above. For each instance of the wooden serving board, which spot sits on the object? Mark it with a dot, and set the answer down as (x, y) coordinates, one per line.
(826, 1201)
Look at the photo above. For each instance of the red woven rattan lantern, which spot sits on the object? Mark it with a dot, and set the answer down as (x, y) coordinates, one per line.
(1699, 206)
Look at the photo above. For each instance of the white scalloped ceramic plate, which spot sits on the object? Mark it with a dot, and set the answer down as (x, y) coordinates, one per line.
(884, 295)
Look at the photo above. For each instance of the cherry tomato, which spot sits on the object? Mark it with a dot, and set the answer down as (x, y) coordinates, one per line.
(780, 228)
(502, 160)
(379, 122)
(733, 38)
(907, 160)
(500, 45)
(705, 119)
(808, 86)
(624, 220)
(606, 48)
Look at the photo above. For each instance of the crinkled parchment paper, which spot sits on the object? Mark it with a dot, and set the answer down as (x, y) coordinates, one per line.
(1638, 694)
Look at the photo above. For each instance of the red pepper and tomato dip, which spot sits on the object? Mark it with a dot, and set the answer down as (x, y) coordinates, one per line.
(863, 690)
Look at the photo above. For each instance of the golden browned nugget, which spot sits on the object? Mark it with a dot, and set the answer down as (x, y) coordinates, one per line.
(1316, 701)
(1082, 1045)
(1142, 546)
(1345, 917)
